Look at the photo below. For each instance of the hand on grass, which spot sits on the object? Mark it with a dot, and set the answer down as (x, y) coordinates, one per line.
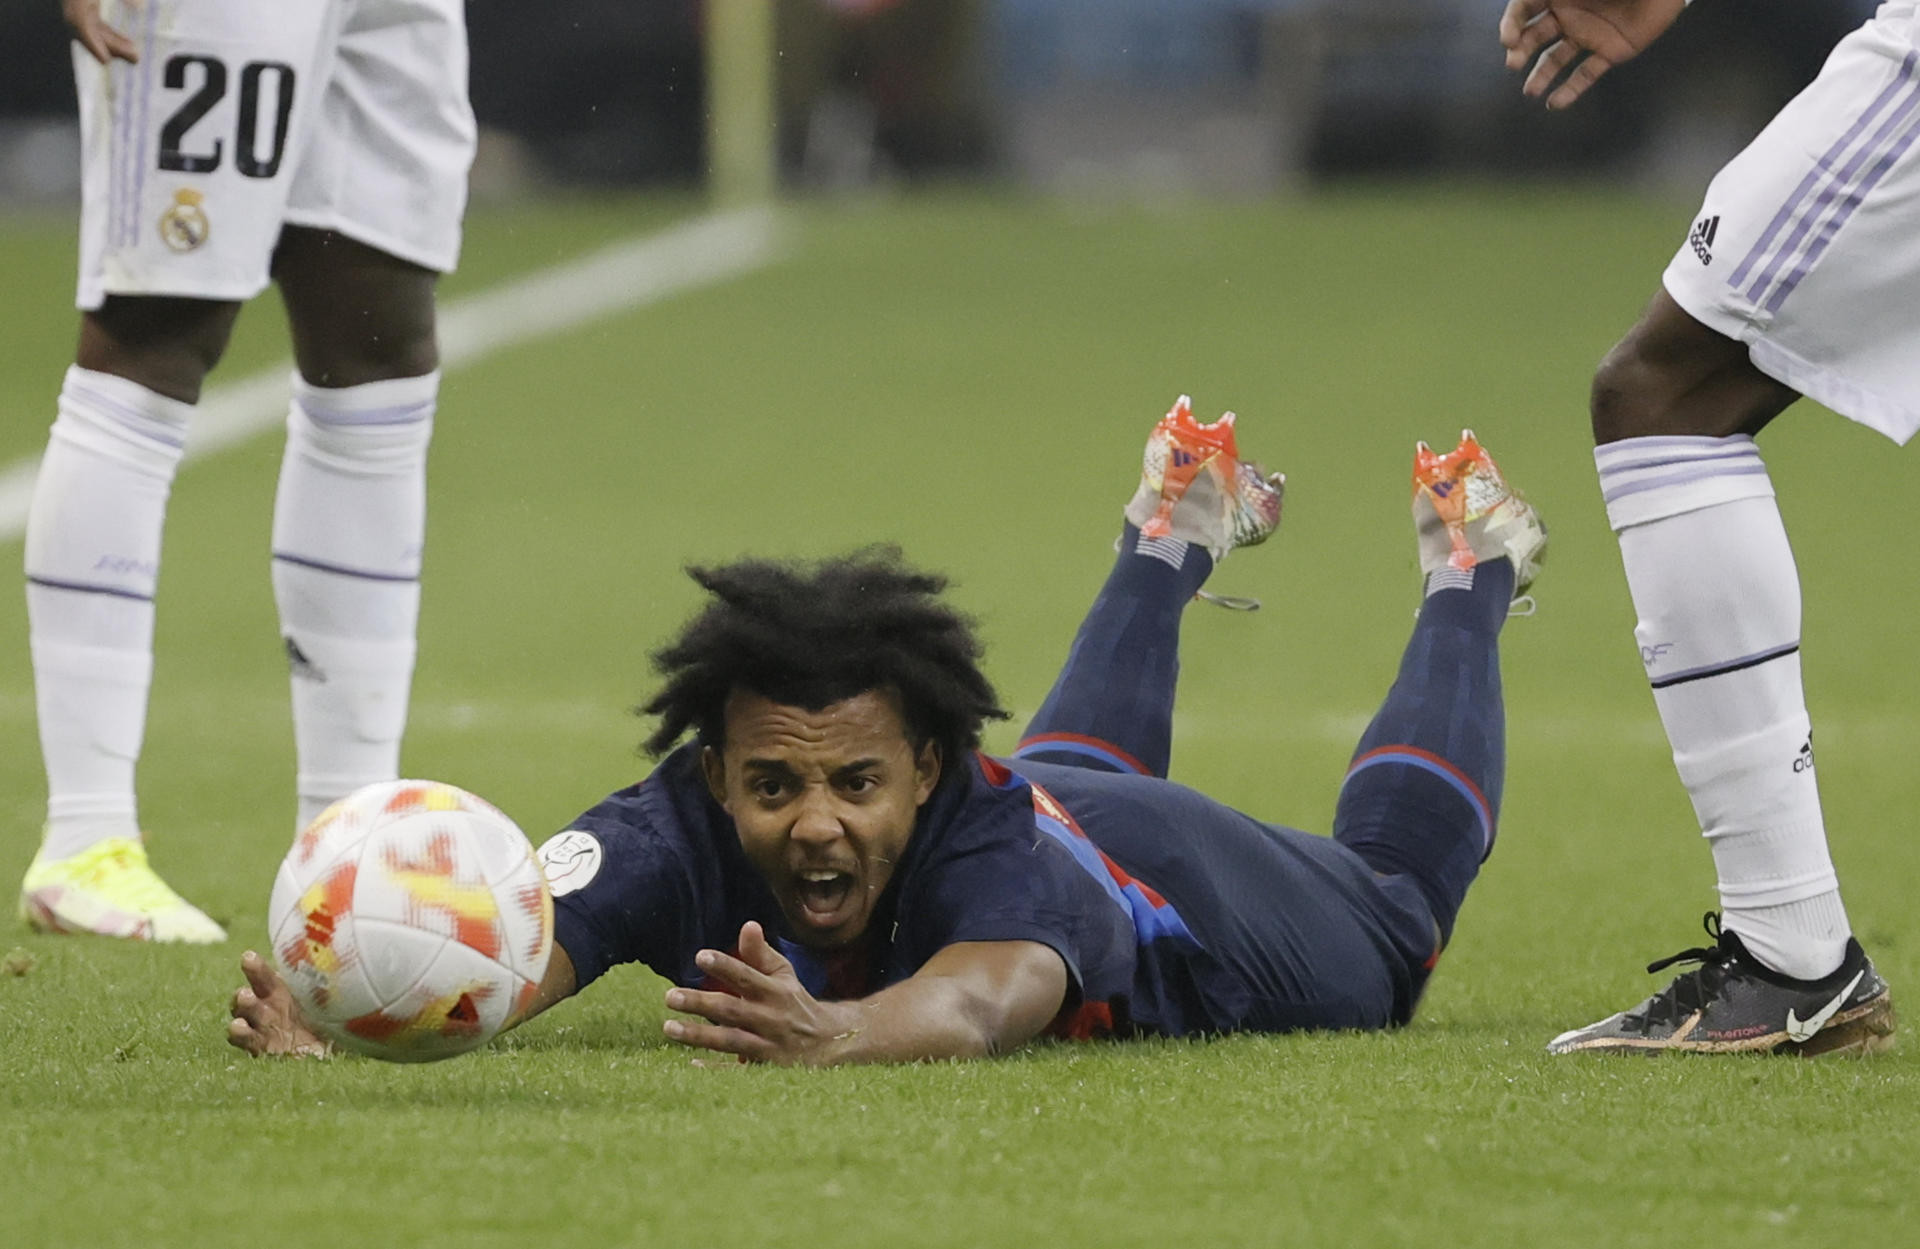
(1588, 37)
(765, 1014)
(89, 26)
(266, 1020)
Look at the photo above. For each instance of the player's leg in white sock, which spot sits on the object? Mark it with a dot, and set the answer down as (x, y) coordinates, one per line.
(92, 563)
(348, 528)
(1718, 597)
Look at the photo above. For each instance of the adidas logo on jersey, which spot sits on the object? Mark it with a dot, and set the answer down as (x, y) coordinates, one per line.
(1702, 237)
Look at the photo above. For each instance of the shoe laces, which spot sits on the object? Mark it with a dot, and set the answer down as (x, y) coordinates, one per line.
(1692, 990)
(1524, 605)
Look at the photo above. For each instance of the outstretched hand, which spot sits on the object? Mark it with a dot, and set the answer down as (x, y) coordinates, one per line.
(266, 1020)
(1586, 37)
(89, 26)
(764, 1013)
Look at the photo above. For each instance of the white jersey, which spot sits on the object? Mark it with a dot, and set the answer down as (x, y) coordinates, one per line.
(243, 116)
(1807, 247)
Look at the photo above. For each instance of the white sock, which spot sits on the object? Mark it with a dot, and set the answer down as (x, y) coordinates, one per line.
(1714, 583)
(349, 521)
(92, 562)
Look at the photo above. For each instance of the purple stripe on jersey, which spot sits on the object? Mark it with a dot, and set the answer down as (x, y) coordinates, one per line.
(1805, 227)
(343, 570)
(120, 79)
(1721, 669)
(135, 201)
(1834, 188)
(1813, 177)
(1680, 479)
(1847, 207)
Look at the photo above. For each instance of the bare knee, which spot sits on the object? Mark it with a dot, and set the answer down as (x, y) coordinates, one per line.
(1624, 395)
(166, 344)
(357, 314)
(1671, 375)
(1638, 392)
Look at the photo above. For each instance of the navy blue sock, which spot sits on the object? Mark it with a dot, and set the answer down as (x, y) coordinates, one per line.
(1111, 707)
(1422, 795)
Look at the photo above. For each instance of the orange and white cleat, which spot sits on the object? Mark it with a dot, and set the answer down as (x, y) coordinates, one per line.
(1194, 487)
(1464, 512)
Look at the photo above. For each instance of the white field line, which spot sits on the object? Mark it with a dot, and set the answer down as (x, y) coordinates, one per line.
(619, 277)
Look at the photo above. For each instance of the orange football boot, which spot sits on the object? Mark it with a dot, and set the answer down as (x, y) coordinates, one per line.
(1464, 512)
(1193, 486)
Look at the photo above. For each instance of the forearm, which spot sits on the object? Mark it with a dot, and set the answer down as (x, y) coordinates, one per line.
(969, 1000)
(923, 1018)
(558, 984)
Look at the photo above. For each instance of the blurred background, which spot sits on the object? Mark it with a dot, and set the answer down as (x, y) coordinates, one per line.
(1142, 97)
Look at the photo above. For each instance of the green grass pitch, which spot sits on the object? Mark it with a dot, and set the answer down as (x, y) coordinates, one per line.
(971, 377)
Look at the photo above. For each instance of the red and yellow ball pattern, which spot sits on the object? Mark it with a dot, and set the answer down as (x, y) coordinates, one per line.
(411, 920)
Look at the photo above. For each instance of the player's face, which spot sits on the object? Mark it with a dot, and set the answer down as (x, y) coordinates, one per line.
(824, 802)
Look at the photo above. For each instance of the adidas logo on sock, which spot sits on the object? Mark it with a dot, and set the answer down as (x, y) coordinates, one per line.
(300, 666)
(1702, 236)
(1804, 761)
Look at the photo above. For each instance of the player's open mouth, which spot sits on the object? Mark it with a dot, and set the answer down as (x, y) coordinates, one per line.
(823, 896)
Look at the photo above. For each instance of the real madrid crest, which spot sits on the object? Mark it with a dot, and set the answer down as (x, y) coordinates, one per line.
(184, 226)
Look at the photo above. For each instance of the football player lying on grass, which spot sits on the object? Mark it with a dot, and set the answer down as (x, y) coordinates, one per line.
(830, 872)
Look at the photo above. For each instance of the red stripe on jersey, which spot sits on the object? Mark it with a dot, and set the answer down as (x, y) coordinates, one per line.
(1046, 804)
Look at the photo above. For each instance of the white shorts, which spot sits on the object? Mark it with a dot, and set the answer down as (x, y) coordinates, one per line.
(1807, 247)
(245, 115)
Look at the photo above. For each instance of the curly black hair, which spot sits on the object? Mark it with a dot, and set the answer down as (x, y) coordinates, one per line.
(811, 635)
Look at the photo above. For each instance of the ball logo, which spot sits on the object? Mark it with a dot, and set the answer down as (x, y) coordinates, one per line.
(571, 861)
(184, 226)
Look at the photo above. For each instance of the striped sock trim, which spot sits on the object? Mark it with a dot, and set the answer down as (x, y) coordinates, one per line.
(1170, 551)
(1449, 579)
(1648, 479)
(1081, 744)
(1427, 761)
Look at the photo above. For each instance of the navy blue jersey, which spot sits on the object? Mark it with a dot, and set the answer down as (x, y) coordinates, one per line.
(1173, 913)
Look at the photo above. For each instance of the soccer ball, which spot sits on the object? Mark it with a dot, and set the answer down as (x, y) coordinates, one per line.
(411, 921)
